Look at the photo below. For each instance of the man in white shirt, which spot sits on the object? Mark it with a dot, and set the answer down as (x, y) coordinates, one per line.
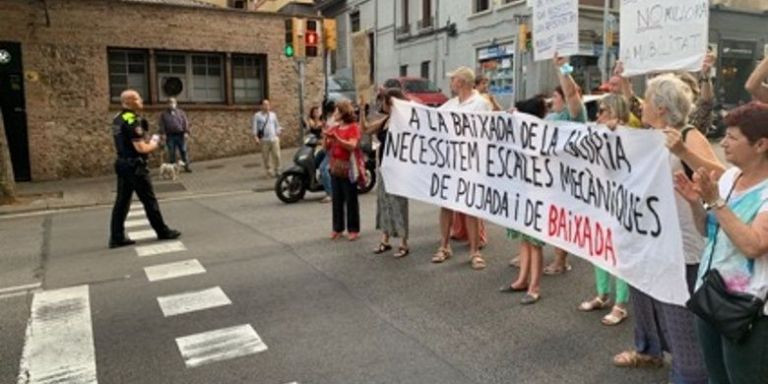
(467, 99)
(266, 131)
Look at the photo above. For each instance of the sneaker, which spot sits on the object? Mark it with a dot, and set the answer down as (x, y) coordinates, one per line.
(326, 200)
(169, 234)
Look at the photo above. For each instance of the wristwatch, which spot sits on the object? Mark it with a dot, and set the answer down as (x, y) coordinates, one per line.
(717, 204)
(566, 69)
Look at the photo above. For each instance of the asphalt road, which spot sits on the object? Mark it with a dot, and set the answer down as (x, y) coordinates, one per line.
(327, 311)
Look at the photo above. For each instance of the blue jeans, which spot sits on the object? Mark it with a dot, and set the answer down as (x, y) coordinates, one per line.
(176, 141)
(325, 174)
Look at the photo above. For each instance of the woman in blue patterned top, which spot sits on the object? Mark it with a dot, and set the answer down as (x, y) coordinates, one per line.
(735, 222)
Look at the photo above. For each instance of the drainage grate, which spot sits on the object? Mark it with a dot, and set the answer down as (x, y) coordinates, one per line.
(251, 165)
(215, 166)
(169, 187)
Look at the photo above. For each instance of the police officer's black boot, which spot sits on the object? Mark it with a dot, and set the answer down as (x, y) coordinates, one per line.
(120, 243)
(169, 234)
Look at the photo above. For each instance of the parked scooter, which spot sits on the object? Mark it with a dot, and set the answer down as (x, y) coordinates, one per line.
(303, 176)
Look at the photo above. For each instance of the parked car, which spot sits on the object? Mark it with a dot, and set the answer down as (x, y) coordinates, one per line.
(341, 88)
(419, 90)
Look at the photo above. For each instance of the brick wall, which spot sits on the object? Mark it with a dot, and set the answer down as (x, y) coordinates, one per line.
(67, 85)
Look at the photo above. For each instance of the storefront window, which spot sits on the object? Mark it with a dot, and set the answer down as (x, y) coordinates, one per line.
(497, 64)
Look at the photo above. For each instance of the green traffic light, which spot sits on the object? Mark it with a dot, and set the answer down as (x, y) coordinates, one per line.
(288, 51)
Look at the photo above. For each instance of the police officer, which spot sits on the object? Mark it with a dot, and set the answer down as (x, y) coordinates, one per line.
(129, 132)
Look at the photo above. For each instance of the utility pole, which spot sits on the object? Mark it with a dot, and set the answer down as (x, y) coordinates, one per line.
(301, 62)
(604, 67)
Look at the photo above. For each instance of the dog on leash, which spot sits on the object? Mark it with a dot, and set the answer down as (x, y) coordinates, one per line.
(170, 171)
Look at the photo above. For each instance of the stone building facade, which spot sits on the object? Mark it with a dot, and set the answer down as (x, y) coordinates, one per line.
(78, 54)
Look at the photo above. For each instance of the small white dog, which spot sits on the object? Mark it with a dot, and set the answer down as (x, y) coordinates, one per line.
(170, 171)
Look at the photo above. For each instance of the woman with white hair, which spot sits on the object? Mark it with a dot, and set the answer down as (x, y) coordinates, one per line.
(661, 327)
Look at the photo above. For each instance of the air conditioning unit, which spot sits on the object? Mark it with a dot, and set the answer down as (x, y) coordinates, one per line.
(239, 4)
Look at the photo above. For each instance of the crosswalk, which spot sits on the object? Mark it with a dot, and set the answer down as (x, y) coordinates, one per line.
(61, 319)
(59, 340)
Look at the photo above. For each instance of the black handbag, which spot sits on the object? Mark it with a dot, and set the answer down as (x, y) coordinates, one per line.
(731, 313)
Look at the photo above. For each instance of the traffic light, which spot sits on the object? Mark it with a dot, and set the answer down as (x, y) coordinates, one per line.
(311, 38)
(522, 37)
(329, 34)
(294, 37)
(290, 45)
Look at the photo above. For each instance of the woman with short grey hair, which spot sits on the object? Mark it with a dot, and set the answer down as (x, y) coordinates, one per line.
(661, 327)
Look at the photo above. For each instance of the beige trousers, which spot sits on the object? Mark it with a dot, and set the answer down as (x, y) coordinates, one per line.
(270, 153)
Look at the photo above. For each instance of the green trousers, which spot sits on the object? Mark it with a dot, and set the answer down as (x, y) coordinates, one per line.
(603, 284)
(745, 362)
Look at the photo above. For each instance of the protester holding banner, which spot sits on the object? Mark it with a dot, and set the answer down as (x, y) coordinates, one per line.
(467, 99)
(340, 142)
(736, 225)
(567, 105)
(459, 226)
(531, 257)
(612, 111)
(661, 326)
(391, 210)
(756, 85)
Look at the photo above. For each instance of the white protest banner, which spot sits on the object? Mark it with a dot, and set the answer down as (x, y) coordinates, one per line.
(555, 28)
(604, 196)
(662, 35)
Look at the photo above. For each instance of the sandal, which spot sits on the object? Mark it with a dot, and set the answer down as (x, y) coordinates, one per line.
(553, 269)
(591, 305)
(617, 315)
(633, 359)
(441, 255)
(401, 252)
(530, 298)
(515, 262)
(512, 288)
(335, 235)
(477, 262)
(383, 247)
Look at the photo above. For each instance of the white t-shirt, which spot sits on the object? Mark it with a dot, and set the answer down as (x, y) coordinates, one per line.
(475, 103)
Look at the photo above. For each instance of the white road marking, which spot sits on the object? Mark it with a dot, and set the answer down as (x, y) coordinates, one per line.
(174, 270)
(59, 340)
(219, 345)
(159, 249)
(134, 214)
(193, 301)
(137, 223)
(142, 235)
(17, 294)
(25, 287)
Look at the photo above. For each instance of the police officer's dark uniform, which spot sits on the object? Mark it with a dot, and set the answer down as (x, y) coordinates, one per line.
(133, 175)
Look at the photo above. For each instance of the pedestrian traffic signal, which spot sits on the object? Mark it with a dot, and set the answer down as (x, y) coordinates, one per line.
(311, 38)
(329, 34)
(522, 37)
(290, 48)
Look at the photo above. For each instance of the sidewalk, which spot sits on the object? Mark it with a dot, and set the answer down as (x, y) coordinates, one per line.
(233, 174)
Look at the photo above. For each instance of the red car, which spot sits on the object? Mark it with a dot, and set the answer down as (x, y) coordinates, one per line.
(419, 90)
